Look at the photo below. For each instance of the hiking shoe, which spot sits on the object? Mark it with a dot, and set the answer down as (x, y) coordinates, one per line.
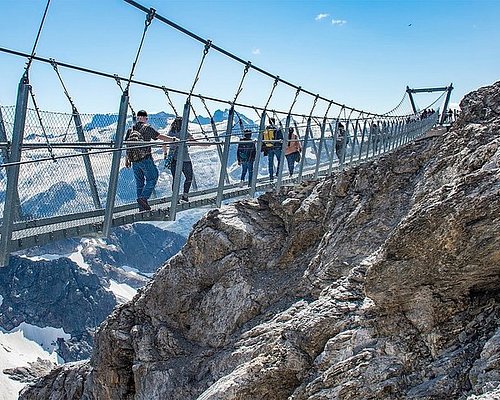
(143, 204)
(242, 183)
(185, 197)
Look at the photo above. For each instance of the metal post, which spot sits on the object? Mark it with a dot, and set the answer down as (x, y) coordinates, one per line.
(334, 149)
(5, 157)
(115, 165)
(225, 156)
(13, 171)
(86, 160)
(409, 91)
(447, 100)
(180, 160)
(304, 149)
(258, 150)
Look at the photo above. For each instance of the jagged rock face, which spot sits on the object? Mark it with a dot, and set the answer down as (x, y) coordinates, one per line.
(381, 282)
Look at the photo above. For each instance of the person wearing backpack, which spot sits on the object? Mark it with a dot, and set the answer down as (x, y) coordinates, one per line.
(246, 156)
(271, 146)
(141, 159)
(292, 151)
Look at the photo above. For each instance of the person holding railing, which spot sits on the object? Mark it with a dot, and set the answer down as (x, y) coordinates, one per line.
(141, 159)
(292, 151)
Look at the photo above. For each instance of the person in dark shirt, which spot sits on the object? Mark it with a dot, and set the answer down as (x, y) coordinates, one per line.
(145, 171)
(246, 156)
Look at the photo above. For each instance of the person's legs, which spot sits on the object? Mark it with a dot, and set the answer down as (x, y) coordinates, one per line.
(250, 172)
(244, 169)
(187, 170)
(277, 152)
(151, 175)
(290, 159)
(139, 177)
(270, 165)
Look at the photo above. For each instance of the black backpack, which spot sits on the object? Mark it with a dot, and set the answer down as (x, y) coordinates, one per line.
(135, 153)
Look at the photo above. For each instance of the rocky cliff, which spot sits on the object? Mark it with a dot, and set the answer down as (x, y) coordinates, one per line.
(380, 282)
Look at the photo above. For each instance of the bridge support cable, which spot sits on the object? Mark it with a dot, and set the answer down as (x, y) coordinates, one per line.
(11, 195)
(181, 149)
(33, 51)
(284, 143)
(37, 111)
(149, 18)
(81, 137)
(115, 165)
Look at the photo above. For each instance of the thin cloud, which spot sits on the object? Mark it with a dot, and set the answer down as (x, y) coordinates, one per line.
(339, 22)
(256, 52)
(319, 17)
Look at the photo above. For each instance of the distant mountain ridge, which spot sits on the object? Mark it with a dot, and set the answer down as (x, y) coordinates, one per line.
(162, 120)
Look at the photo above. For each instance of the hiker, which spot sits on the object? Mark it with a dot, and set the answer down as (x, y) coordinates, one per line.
(187, 165)
(339, 142)
(246, 156)
(271, 146)
(292, 151)
(141, 159)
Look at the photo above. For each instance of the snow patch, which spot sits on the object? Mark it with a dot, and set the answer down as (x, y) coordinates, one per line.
(44, 337)
(43, 257)
(77, 258)
(16, 351)
(1, 299)
(122, 291)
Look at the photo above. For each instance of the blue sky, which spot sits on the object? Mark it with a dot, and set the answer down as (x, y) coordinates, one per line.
(359, 53)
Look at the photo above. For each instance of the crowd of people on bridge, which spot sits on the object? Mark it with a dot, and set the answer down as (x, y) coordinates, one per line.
(146, 174)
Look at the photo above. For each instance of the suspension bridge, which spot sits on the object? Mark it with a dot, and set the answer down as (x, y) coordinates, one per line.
(62, 174)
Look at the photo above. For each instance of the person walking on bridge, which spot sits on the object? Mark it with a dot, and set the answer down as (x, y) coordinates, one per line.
(187, 165)
(292, 151)
(141, 159)
(271, 146)
(246, 156)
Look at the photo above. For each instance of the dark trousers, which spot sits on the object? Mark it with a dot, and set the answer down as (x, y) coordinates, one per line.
(187, 170)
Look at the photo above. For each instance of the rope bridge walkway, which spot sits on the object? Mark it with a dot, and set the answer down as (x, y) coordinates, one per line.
(62, 174)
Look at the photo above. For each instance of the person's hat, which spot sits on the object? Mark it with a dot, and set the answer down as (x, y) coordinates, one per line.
(142, 113)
